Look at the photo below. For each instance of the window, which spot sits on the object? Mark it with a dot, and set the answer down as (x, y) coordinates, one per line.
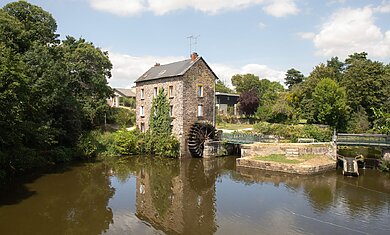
(142, 127)
(141, 111)
(171, 110)
(155, 92)
(142, 94)
(170, 92)
(200, 91)
(200, 110)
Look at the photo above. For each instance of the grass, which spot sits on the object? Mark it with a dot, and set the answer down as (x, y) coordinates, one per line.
(281, 158)
(231, 126)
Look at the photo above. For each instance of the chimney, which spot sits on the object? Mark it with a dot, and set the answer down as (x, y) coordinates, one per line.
(194, 55)
(157, 64)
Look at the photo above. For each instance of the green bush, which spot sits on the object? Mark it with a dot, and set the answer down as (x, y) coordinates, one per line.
(167, 146)
(293, 132)
(126, 142)
(384, 165)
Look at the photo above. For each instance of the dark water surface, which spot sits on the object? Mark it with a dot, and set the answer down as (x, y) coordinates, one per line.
(194, 196)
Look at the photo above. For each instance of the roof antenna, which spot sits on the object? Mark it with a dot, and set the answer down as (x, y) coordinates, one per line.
(193, 42)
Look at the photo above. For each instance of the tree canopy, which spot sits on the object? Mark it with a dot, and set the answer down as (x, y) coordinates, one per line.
(50, 91)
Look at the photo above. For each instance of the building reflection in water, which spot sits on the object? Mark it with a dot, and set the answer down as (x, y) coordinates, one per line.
(179, 198)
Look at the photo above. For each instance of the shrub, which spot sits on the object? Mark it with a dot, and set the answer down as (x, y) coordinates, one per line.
(126, 142)
(384, 165)
(167, 146)
(293, 132)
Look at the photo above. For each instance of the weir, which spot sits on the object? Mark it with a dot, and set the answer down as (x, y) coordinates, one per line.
(350, 165)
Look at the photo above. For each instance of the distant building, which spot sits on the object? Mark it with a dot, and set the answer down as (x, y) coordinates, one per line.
(226, 103)
(190, 87)
(115, 101)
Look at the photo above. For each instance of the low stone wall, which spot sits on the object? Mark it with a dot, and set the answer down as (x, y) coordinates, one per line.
(289, 149)
(301, 169)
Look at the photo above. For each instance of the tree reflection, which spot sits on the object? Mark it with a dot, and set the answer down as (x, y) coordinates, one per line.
(73, 202)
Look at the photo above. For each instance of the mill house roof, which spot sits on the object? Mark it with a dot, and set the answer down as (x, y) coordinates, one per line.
(171, 70)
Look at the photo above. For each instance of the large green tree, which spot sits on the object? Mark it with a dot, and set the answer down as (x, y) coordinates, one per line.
(246, 82)
(293, 77)
(330, 103)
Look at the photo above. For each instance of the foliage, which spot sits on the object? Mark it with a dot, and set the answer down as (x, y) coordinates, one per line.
(246, 82)
(358, 122)
(160, 120)
(384, 165)
(293, 132)
(127, 102)
(382, 121)
(248, 102)
(124, 117)
(221, 87)
(136, 142)
(50, 92)
(293, 77)
(330, 103)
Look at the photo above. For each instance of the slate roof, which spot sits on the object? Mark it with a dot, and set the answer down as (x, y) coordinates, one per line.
(169, 70)
(125, 92)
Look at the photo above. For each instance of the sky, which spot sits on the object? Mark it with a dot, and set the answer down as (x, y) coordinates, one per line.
(263, 37)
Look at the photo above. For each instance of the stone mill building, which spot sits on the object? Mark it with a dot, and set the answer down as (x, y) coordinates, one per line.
(190, 88)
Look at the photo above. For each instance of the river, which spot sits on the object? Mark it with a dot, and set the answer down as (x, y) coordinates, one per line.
(141, 195)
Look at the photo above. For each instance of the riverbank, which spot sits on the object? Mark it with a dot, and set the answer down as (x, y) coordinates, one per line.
(315, 165)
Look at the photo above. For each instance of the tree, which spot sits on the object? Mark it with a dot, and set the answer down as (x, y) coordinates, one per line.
(367, 83)
(293, 77)
(221, 87)
(38, 24)
(246, 82)
(160, 120)
(249, 102)
(330, 103)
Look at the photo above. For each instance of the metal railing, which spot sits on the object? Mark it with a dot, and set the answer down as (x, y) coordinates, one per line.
(362, 139)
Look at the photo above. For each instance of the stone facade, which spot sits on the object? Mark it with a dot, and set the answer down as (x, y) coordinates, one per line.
(184, 100)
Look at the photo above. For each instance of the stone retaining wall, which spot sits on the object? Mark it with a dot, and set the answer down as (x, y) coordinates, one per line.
(287, 168)
(289, 149)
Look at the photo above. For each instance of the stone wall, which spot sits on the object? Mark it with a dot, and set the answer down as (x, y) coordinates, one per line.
(198, 74)
(265, 149)
(176, 100)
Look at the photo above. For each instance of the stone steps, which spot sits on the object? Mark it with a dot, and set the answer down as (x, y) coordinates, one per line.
(292, 152)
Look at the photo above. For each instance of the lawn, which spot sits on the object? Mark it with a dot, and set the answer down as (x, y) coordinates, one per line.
(281, 158)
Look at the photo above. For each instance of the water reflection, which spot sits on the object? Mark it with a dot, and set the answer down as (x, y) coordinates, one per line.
(64, 202)
(179, 197)
(143, 195)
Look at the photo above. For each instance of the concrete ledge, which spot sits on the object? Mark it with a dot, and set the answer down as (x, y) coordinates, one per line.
(301, 168)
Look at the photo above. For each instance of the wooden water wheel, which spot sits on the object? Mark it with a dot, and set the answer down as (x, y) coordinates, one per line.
(199, 133)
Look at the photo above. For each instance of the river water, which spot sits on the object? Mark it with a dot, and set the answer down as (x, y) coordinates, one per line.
(142, 195)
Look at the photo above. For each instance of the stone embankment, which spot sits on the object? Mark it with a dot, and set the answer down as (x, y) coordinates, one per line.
(324, 162)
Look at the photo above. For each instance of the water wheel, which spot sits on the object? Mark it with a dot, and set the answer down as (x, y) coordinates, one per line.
(199, 133)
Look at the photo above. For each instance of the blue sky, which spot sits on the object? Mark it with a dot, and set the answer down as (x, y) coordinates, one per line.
(264, 37)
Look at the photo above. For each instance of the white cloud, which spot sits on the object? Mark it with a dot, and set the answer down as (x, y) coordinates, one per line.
(307, 35)
(225, 72)
(127, 68)
(160, 7)
(384, 8)
(276, 8)
(280, 8)
(351, 30)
